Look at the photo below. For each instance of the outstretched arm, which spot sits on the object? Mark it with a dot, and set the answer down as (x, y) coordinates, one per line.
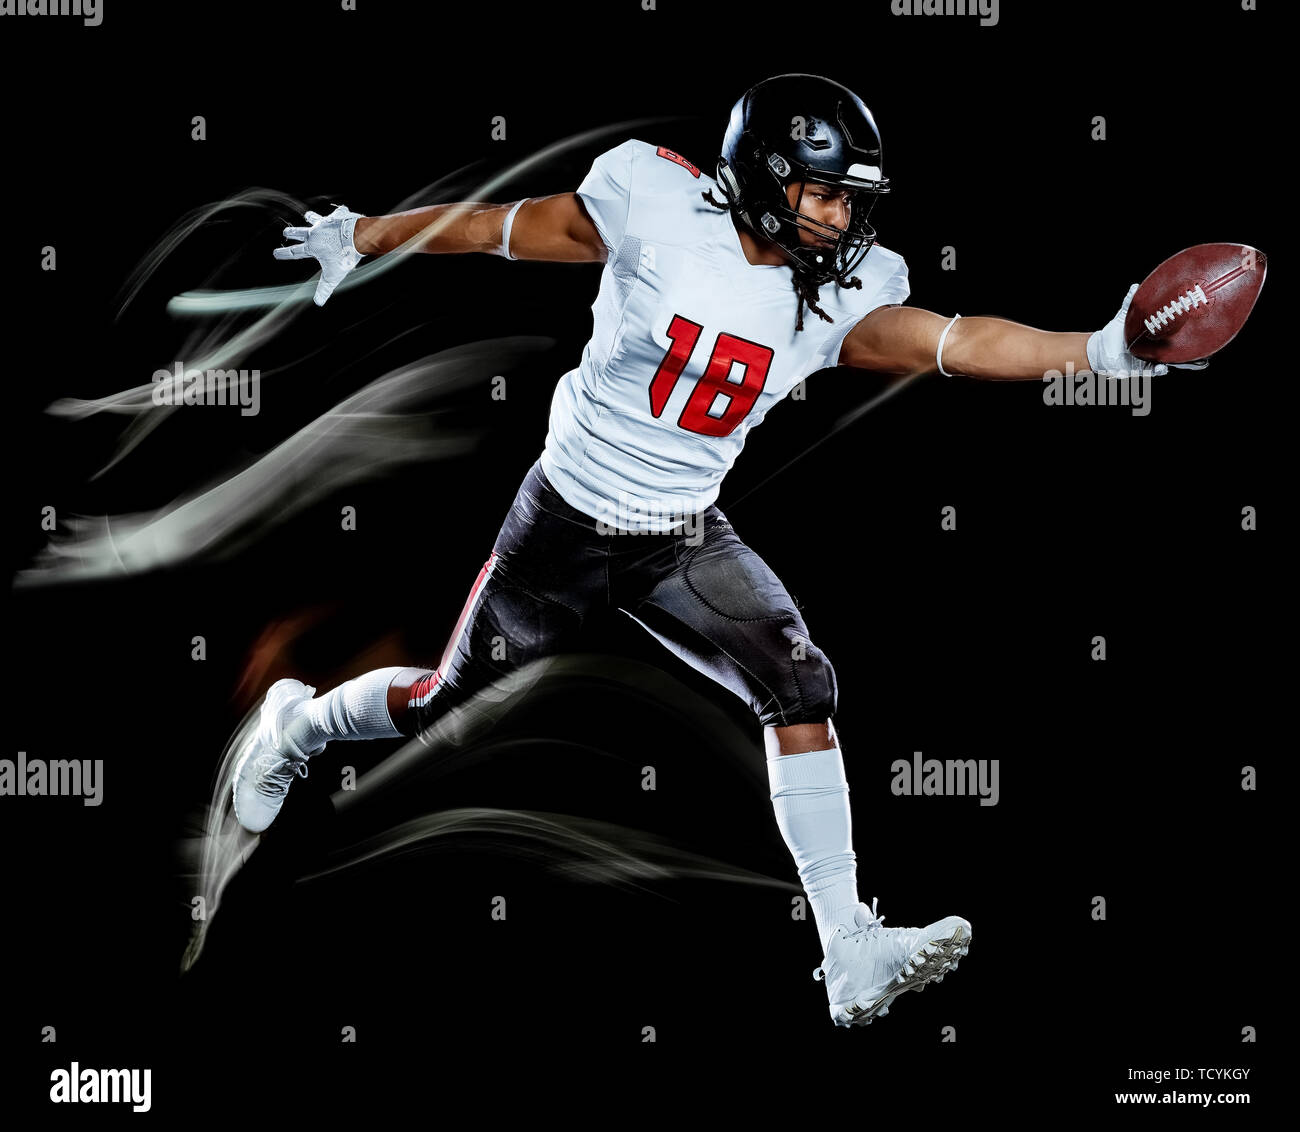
(552, 228)
(555, 228)
(905, 340)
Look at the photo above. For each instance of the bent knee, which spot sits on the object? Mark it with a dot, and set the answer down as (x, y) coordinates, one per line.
(806, 691)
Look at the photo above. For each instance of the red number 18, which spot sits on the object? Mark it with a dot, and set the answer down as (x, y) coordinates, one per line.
(727, 349)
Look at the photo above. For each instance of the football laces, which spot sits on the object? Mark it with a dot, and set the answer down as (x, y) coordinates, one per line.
(1170, 311)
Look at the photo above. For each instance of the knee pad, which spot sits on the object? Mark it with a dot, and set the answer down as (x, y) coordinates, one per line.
(808, 692)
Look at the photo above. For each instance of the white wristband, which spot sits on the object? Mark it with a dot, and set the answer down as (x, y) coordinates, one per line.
(938, 354)
(346, 229)
(504, 249)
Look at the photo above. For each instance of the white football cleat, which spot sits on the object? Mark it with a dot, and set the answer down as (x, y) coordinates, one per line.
(270, 760)
(868, 965)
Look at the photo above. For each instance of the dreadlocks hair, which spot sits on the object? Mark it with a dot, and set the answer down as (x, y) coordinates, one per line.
(804, 288)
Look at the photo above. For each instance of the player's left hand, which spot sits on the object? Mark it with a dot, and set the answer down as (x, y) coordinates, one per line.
(328, 240)
(1108, 354)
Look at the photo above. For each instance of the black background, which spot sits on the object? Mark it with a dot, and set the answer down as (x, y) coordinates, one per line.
(1118, 779)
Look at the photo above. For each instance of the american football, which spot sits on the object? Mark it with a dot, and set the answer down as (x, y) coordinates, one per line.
(1194, 303)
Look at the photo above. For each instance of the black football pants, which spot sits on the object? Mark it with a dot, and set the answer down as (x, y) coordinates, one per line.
(701, 591)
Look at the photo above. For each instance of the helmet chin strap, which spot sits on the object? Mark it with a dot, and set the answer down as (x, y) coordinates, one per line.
(828, 272)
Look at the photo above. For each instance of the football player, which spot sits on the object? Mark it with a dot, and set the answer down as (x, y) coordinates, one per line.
(718, 296)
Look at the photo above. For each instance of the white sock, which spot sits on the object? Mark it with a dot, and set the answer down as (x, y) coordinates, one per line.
(356, 709)
(811, 797)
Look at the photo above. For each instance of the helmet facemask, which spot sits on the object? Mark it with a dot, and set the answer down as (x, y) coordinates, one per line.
(781, 223)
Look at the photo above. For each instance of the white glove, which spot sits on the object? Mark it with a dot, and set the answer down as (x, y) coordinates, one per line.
(1108, 354)
(329, 239)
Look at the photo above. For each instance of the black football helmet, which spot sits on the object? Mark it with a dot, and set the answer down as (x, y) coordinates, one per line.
(803, 128)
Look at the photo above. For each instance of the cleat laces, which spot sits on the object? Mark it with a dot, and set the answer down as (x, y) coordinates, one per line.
(274, 773)
(871, 927)
(874, 923)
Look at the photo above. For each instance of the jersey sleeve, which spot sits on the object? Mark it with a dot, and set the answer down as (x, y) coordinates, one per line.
(895, 290)
(606, 193)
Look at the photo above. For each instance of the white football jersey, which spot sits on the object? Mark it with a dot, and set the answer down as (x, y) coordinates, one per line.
(692, 344)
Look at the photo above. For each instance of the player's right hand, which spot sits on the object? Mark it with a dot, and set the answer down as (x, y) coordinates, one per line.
(328, 240)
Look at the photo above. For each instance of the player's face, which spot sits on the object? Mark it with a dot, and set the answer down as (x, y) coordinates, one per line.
(824, 203)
